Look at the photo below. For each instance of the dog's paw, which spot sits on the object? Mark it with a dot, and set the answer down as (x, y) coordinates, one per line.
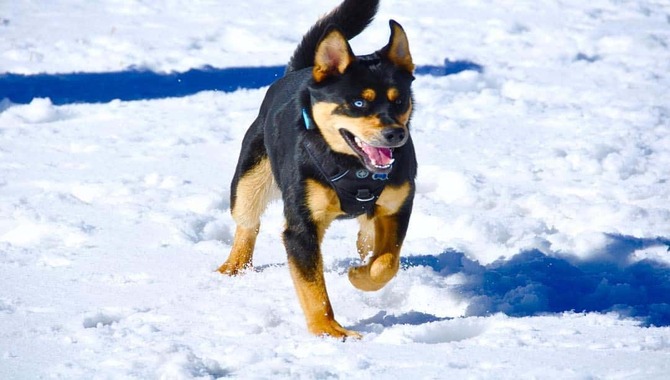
(233, 269)
(331, 328)
(375, 274)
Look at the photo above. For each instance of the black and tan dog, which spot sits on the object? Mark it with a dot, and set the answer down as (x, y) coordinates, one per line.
(333, 136)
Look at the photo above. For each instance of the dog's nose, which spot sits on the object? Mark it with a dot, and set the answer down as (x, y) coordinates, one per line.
(394, 135)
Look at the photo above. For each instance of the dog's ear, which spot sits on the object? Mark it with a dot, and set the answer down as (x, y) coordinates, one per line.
(333, 55)
(397, 50)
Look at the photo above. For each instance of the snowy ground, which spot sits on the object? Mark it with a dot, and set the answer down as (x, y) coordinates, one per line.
(538, 247)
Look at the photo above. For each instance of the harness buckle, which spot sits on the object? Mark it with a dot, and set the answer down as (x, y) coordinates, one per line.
(364, 195)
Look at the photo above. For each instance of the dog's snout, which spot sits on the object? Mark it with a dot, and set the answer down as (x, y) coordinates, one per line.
(394, 135)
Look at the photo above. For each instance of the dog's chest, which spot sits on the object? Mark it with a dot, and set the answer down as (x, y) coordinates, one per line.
(357, 188)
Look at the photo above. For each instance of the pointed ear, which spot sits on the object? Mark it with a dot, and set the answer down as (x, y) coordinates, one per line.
(397, 50)
(333, 55)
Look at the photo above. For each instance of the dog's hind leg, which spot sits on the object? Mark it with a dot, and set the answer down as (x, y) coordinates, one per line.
(251, 190)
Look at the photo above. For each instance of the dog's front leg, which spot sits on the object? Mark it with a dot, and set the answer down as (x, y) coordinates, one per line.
(384, 262)
(381, 236)
(302, 238)
(306, 265)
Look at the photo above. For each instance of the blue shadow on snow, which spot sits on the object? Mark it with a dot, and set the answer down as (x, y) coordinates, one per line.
(143, 84)
(532, 283)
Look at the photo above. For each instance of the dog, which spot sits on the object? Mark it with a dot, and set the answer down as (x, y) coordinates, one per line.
(332, 135)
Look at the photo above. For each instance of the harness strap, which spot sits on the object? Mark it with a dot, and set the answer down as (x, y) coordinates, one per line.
(357, 190)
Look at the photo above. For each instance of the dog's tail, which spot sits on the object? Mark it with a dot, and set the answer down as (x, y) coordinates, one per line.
(351, 17)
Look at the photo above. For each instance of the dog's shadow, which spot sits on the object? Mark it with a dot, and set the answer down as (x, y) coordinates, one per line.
(385, 320)
(532, 283)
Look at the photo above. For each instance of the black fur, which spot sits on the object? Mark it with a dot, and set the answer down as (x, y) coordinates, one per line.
(298, 151)
(351, 17)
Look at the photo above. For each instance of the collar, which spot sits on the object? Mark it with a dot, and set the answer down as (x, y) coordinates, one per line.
(309, 123)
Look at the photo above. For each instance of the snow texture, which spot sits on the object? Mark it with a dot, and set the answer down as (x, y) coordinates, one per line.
(538, 247)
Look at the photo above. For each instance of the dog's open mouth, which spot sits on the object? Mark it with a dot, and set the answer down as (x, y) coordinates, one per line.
(376, 159)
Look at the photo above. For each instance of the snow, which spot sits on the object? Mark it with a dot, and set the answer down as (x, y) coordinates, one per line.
(538, 247)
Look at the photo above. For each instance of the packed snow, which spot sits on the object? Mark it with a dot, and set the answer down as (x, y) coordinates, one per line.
(538, 246)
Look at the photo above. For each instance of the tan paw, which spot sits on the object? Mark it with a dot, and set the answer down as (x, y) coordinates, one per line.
(375, 274)
(331, 328)
(233, 269)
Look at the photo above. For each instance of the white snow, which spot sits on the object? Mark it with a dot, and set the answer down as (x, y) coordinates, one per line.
(538, 246)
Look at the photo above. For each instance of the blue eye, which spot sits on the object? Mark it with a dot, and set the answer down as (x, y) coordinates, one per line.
(358, 103)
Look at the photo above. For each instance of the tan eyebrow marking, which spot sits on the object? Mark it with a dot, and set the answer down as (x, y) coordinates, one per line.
(369, 94)
(392, 94)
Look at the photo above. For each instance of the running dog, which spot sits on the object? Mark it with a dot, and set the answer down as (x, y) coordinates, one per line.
(332, 135)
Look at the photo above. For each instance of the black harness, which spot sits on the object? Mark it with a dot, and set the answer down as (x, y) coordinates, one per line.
(357, 189)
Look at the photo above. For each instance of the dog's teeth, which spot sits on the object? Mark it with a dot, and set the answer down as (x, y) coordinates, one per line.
(374, 163)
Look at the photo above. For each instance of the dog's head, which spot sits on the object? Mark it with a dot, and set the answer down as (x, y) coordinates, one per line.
(362, 105)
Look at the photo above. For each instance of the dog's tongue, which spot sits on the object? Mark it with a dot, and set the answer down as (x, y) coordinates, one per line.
(378, 156)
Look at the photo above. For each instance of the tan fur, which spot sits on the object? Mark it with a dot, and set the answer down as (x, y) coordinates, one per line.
(332, 56)
(366, 236)
(378, 235)
(241, 252)
(369, 94)
(366, 128)
(404, 118)
(324, 207)
(392, 198)
(392, 94)
(399, 52)
(329, 125)
(254, 191)
(315, 303)
(323, 204)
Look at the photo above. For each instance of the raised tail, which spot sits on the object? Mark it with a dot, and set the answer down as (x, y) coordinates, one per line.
(351, 17)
